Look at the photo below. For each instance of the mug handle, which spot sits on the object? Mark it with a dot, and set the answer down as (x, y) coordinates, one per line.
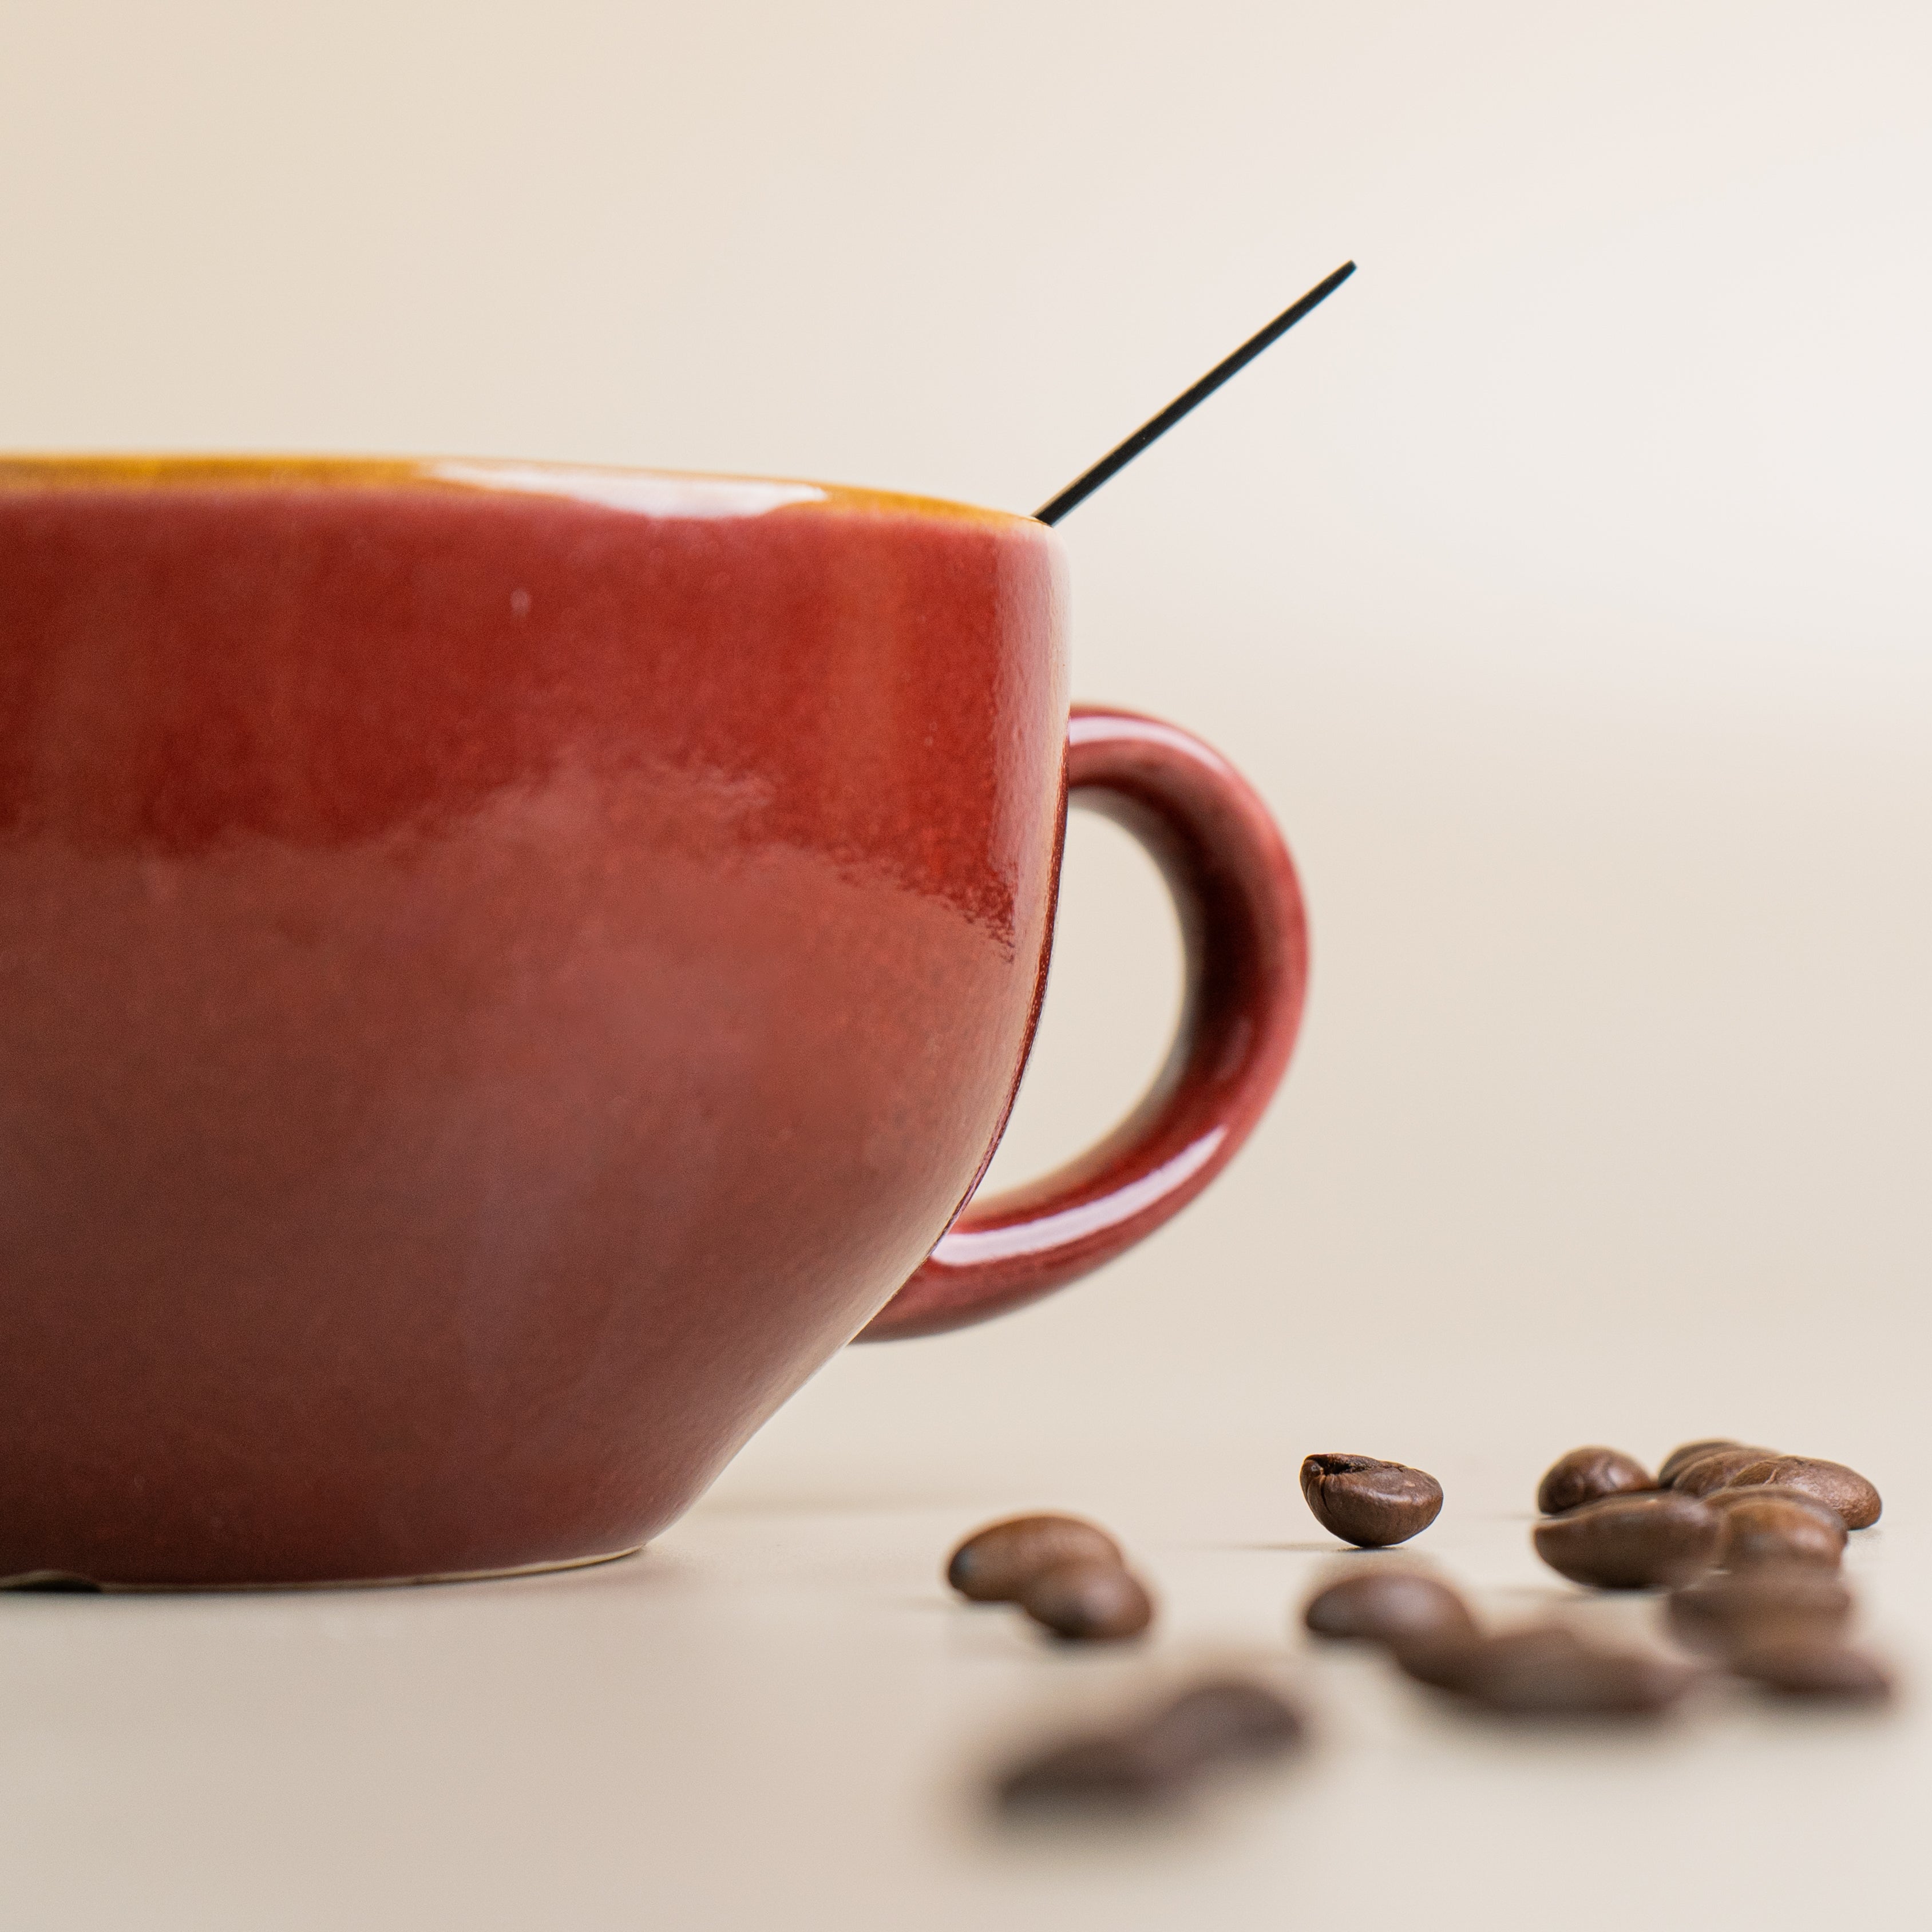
(1246, 934)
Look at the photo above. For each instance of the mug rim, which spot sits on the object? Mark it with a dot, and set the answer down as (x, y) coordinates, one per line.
(675, 494)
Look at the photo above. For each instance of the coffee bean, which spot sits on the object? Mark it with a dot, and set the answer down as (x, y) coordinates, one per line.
(1763, 1604)
(1844, 1490)
(1549, 1681)
(1584, 1474)
(1769, 1524)
(1686, 1453)
(1546, 1671)
(1223, 1718)
(994, 1565)
(1441, 1658)
(1102, 1771)
(1634, 1542)
(1814, 1668)
(1157, 1758)
(1088, 1600)
(1367, 1502)
(1450, 1659)
(1382, 1603)
(1715, 1471)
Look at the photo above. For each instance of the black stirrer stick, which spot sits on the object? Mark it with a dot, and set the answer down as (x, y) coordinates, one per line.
(1117, 458)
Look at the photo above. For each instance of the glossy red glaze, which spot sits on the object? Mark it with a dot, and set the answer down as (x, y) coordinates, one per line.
(1246, 941)
(503, 971)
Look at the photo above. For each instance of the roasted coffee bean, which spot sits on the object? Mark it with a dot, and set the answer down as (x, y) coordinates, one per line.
(1635, 1542)
(1844, 1490)
(1586, 1474)
(1550, 1681)
(1156, 1759)
(1440, 1658)
(994, 1565)
(1814, 1667)
(1088, 1601)
(1770, 1524)
(1765, 1603)
(1545, 1671)
(1686, 1453)
(1225, 1717)
(1715, 1471)
(1367, 1502)
(1114, 1770)
(1381, 1604)
(1453, 1660)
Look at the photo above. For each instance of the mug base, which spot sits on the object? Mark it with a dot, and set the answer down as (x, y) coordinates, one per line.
(62, 1581)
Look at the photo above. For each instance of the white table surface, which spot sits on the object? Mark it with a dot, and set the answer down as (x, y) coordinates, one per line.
(777, 1715)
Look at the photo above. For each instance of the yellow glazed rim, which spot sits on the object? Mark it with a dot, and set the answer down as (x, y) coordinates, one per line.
(652, 492)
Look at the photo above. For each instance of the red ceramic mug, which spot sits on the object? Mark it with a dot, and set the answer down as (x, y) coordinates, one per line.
(504, 970)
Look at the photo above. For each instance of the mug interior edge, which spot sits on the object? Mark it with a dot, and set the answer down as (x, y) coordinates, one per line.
(674, 493)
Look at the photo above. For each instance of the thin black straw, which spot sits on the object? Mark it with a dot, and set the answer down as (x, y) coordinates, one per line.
(1118, 458)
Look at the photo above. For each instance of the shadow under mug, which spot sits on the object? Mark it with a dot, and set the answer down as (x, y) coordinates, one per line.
(504, 969)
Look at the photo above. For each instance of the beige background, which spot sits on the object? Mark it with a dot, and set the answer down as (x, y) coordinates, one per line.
(1565, 584)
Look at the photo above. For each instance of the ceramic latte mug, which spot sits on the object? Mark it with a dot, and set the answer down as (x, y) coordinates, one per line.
(504, 970)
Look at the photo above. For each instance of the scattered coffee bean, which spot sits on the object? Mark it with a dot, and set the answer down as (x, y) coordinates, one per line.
(1453, 1660)
(1088, 1601)
(1764, 1604)
(1157, 1760)
(1381, 1604)
(1586, 1474)
(1638, 1542)
(1715, 1471)
(1545, 1671)
(1686, 1453)
(1551, 1681)
(1814, 1667)
(1844, 1490)
(1367, 1502)
(1105, 1770)
(1225, 1717)
(1440, 1658)
(994, 1565)
(1768, 1524)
